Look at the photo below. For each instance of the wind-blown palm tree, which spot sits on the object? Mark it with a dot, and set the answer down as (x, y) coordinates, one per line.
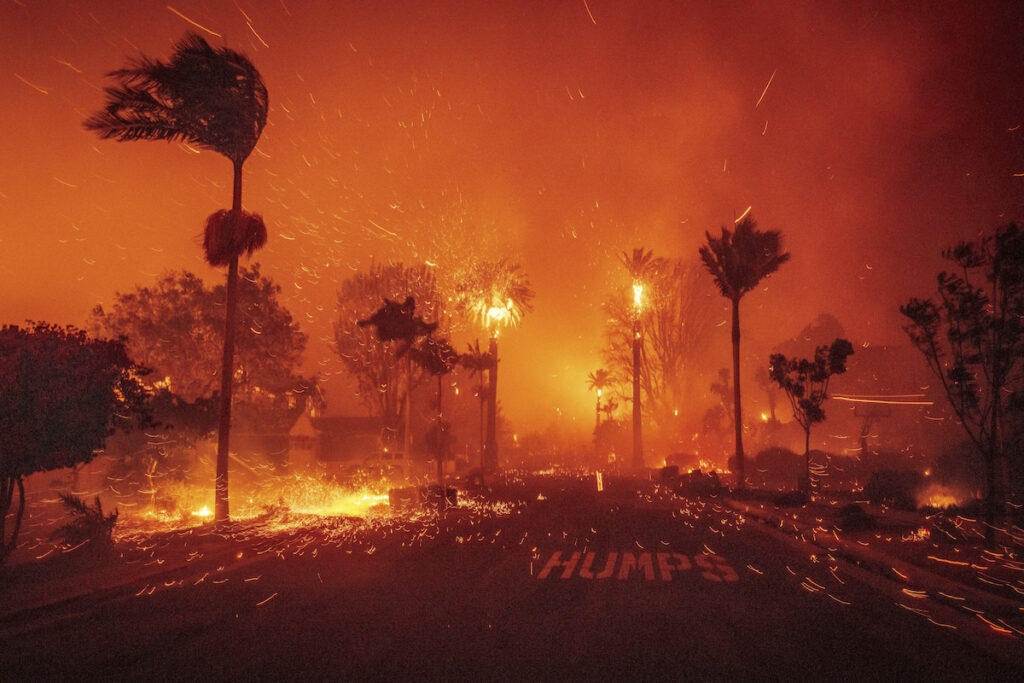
(213, 98)
(738, 261)
(642, 266)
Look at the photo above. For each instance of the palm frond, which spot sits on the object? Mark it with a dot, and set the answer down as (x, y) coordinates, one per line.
(229, 234)
(210, 97)
(738, 261)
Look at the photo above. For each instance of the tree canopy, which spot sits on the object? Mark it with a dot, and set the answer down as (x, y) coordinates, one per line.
(176, 327)
(805, 382)
(740, 259)
(61, 395)
(210, 97)
(972, 336)
(370, 359)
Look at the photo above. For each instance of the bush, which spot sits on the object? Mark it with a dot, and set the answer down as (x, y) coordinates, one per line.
(896, 488)
(88, 523)
(776, 467)
(852, 517)
(790, 499)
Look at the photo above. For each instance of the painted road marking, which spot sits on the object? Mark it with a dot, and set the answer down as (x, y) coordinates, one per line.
(628, 565)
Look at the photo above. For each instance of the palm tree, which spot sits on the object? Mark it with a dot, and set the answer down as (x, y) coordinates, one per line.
(213, 98)
(738, 261)
(399, 323)
(437, 357)
(477, 361)
(598, 381)
(642, 266)
(496, 294)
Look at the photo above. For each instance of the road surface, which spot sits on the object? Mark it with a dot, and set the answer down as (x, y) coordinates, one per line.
(566, 583)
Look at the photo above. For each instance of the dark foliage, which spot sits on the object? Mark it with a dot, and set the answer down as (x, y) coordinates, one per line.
(853, 517)
(229, 234)
(896, 488)
(211, 97)
(88, 523)
(370, 355)
(176, 327)
(805, 382)
(61, 395)
(436, 356)
(790, 499)
(395, 321)
(972, 336)
(740, 259)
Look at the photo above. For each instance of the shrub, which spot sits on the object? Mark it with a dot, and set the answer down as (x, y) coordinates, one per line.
(790, 499)
(88, 523)
(852, 517)
(777, 466)
(896, 488)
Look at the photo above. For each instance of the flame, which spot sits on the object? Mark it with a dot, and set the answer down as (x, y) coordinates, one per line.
(638, 294)
(203, 512)
(938, 496)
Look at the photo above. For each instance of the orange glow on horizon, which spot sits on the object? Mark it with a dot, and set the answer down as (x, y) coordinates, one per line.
(406, 141)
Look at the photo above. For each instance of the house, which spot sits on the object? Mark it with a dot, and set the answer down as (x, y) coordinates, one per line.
(340, 443)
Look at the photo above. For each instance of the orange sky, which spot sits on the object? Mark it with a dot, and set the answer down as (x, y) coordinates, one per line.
(560, 133)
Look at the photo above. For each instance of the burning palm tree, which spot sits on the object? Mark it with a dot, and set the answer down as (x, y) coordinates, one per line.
(213, 98)
(477, 362)
(496, 294)
(598, 381)
(642, 267)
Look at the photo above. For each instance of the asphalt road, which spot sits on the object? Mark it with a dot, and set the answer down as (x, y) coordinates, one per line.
(570, 584)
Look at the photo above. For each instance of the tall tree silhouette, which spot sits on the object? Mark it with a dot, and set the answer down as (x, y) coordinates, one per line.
(213, 98)
(477, 361)
(972, 336)
(738, 261)
(642, 267)
(496, 294)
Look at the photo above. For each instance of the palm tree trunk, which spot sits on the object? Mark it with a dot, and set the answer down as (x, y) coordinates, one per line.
(741, 480)
(222, 511)
(407, 417)
(440, 442)
(492, 415)
(638, 443)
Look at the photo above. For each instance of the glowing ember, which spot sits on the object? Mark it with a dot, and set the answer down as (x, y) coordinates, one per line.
(921, 534)
(355, 504)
